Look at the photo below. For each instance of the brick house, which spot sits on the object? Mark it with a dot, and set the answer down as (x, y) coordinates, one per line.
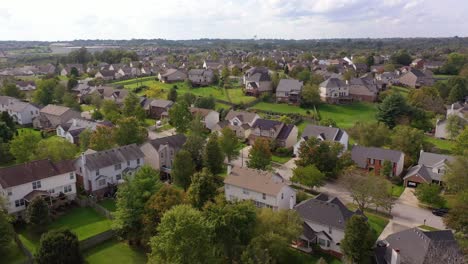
(372, 159)
(430, 169)
(285, 135)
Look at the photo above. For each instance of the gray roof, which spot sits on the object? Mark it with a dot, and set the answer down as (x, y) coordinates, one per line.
(245, 117)
(161, 103)
(326, 133)
(333, 82)
(427, 161)
(56, 110)
(325, 210)
(360, 154)
(289, 85)
(113, 156)
(433, 159)
(19, 106)
(175, 141)
(265, 124)
(285, 131)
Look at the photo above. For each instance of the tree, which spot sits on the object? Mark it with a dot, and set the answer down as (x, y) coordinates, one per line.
(430, 194)
(309, 176)
(456, 178)
(260, 154)
(84, 139)
(132, 107)
(184, 236)
(6, 231)
(195, 146)
(69, 101)
(202, 189)
(358, 240)
(206, 102)
(56, 149)
(44, 93)
(427, 98)
(72, 82)
(59, 92)
(196, 127)
(457, 93)
(23, 145)
(183, 169)
(172, 95)
(310, 95)
(402, 57)
(180, 116)
(6, 133)
(10, 89)
(59, 246)
(304, 76)
(370, 134)
(455, 62)
(159, 203)
(328, 122)
(102, 138)
(461, 143)
(97, 115)
(409, 140)
(457, 217)
(455, 125)
(132, 197)
(393, 107)
(110, 110)
(37, 214)
(129, 131)
(286, 120)
(213, 156)
(387, 169)
(225, 73)
(8, 120)
(188, 98)
(229, 142)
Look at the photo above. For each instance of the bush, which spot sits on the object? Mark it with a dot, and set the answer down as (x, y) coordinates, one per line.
(396, 180)
(430, 194)
(140, 88)
(301, 196)
(283, 152)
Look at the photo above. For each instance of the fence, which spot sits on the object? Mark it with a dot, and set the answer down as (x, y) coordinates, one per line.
(96, 240)
(25, 251)
(87, 201)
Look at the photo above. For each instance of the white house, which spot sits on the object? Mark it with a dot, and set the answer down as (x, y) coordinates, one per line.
(208, 117)
(20, 184)
(333, 89)
(239, 121)
(431, 168)
(22, 113)
(72, 129)
(99, 172)
(332, 134)
(264, 188)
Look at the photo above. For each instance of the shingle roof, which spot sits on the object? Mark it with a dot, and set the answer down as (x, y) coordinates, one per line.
(55, 110)
(285, 131)
(431, 159)
(245, 117)
(33, 171)
(288, 85)
(359, 154)
(113, 156)
(266, 124)
(161, 103)
(255, 180)
(327, 133)
(200, 111)
(175, 141)
(333, 82)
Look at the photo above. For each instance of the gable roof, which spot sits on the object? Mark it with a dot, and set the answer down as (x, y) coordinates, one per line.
(113, 156)
(33, 171)
(255, 180)
(433, 159)
(56, 110)
(333, 82)
(200, 111)
(266, 124)
(326, 133)
(285, 131)
(288, 85)
(161, 103)
(360, 154)
(175, 141)
(244, 117)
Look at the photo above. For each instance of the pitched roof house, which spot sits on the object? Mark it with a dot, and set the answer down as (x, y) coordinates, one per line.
(333, 90)
(53, 115)
(26, 85)
(158, 108)
(257, 81)
(430, 169)
(415, 78)
(110, 93)
(324, 133)
(201, 77)
(363, 89)
(22, 113)
(20, 184)
(69, 67)
(208, 117)
(72, 130)
(285, 135)
(264, 188)
(324, 224)
(289, 91)
(372, 159)
(240, 122)
(172, 75)
(460, 110)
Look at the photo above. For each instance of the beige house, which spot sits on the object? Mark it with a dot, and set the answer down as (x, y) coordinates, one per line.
(53, 115)
(172, 75)
(285, 135)
(415, 78)
(257, 81)
(240, 122)
(333, 90)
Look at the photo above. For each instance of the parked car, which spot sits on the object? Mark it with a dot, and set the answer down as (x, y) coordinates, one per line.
(382, 243)
(440, 211)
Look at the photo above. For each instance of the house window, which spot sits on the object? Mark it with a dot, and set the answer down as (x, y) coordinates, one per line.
(10, 193)
(19, 203)
(72, 175)
(32, 113)
(67, 189)
(97, 172)
(118, 177)
(36, 185)
(138, 161)
(264, 196)
(117, 166)
(128, 163)
(322, 242)
(162, 155)
(245, 191)
(371, 161)
(329, 229)
(102, 182)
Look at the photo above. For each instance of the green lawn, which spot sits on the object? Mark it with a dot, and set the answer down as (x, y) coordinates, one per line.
(377, 223)
(428, 228)
(298, 257)
(83, 221)
(13, 255)
(279, 159)
(85, 107)
(344, 115)
(443, 76)
(397, 190)
(109, 204)
(114, 252)
(403, 90)
(28, 130)
(442, 144)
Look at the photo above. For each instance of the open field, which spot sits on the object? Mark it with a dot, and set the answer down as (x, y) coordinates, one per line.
(114, 252)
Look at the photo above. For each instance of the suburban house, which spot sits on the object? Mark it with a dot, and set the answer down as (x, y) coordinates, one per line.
(172, 75)
(418, 63)
(110, 93)
(200, 77)
(334, 90)
(26, 86)
(289, 91)
(430, 169)
(387, 78)
(362, 89)
(20, 184)
(72, 130)
(105, 74)
(417, 246)
(323, 133)
(460, 110)
(22, 113)
(285, 135)
(208, 117)
(53, 115)
(239, 121)
(158, 108)
(99, 172)
(257, 81)
(324, 224)
(372, 159)
(212, 65)
(68, 69)
(264, 188)
(159, 153)
(416, 78)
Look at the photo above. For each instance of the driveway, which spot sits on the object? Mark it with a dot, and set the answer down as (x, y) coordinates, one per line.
(285, 170)
(241, 161)
(165, 133)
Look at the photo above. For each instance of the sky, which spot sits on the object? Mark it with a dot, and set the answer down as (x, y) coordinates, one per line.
(54, 20)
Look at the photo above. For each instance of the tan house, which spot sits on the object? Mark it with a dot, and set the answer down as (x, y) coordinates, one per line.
(53, 115)
(240, 122)
(334, 90)
(172, 75)
(285, 135)
(289, 91)
(257, 81)
(415, 78)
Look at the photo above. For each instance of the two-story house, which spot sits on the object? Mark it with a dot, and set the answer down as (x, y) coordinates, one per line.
(72, 130)
(110, 93)
(20, 184)
(172, 75)
(158, 108)
(264, 188)
(456, 109)
(208, 117)
(372, 159)
(289, 91)
(53, 115)
(430, 169)
(22, 113)
(257, 81)
(240, 122)
(159, 153)
(99, 172)
(323, 133)
(285, 135)
(324, 224)
(416, 78)
(200, 77)
(67, 69)
(333, 90)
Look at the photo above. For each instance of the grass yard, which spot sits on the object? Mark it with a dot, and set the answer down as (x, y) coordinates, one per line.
(13, 255)
(279, 159)
(377, 223)
(428, 228)
(443, 76)
(403, 90)
(344, 115)
(442, 144)
(397, 190)
(109, 204)
(114, 252)
(28, 130)
(299, 257)
(83, 221)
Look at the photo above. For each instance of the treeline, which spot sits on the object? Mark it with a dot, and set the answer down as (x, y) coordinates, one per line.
(83, 56)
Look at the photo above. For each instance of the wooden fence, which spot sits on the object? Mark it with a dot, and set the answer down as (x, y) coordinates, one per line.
(23, 249)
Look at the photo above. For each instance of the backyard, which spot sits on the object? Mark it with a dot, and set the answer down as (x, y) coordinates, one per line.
(442, 144)
(114, 252)
(85, 222)
(109, 204)
(299, 257)
(13, 255)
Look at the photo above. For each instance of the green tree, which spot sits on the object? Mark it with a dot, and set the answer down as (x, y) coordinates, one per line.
(286, 119)
(456, 178)
(129, 131)
(37, 214)
(309, 176)
(213, 156)
(328, 122)
(132, 197)
(97, 115)
(10, 89)
(402, 57)
(457, 93)
(110, 110)
(184, 237)
(206, 102)
(85, 139)
(195, 145)
(9, 122)
(183, 169)
(260, 154)
(59, 246)
(461, 143)
(197, 128)
(455, 125)
(229, 142)
(6, 133)
(44, 93)
(6, 231)
(457, 217)
(455, 62)
(225, 73)
(358, 240)
(23, 145)
(180, 117)
(387, 169)
(310, 95)
(102, 139)
(59, 92)
(428, 99)
(188, 98)
(132, 107)
(56, 149)
(69, 101)
(172, 95)
(391, 109)
(409, 140)
(370, 134)
(430, 194)
(202, 189)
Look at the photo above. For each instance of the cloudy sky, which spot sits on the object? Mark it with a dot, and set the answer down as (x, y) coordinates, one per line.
(192, 19)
